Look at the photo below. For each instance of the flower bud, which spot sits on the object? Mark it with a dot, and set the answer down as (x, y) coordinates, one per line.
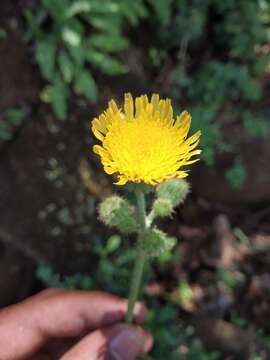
(115, 211)
(156, 242)
(174, 190)
(163, 207)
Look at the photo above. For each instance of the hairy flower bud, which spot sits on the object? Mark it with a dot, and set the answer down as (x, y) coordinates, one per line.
(174, 190)
(115, 211)
(163, 207)
(156, 242)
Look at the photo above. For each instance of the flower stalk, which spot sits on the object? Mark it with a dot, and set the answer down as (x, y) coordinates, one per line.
(140, 258)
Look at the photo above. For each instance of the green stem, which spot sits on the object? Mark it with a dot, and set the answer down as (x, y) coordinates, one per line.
(140, 258)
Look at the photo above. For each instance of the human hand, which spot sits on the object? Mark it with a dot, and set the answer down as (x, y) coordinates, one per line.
(72, 325)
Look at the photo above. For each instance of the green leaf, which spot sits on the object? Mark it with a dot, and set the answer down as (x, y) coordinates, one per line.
(163, 10)
(237, 174)
(255, 126)
(133, 10)
(34, 28)
(71, 36)
(45, 56)
(113, 244)
(261, 64)
(108, 43)
(3, 34)
(104, 62)
(56, 8)
(184, 292)
(14, 116)
(86, 85)
(86, 283)
(106, 7)
(100, 22)
(78, 7)
(66, 66)
(47, 276)
(77, 53)
(5, 131)
(57, 96)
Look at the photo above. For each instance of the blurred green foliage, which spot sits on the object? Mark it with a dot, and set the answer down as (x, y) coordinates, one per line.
(75, 37)
(11, 119)
(236, 175)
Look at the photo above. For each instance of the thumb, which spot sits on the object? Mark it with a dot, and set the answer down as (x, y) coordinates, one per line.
(117, 342)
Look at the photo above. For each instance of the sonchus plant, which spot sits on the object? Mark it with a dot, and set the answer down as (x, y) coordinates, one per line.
(147, 149)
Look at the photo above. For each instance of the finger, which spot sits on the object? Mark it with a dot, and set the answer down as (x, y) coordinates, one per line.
(55, 348)
(48, 292)
(27, 326)
(118, 342)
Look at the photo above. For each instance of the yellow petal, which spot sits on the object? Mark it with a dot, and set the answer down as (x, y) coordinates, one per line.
(97, 134)
(129, 106)
(155, 101)
(122, 180)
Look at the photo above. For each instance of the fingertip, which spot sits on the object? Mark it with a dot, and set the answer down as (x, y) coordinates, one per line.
(130, 341)
(149, 341)
(140, 312)
(49, 292)
(117, 342)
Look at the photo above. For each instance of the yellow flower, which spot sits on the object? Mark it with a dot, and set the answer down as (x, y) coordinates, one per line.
(147, 145)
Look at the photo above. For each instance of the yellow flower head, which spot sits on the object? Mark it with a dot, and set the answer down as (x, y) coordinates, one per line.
(144, 144)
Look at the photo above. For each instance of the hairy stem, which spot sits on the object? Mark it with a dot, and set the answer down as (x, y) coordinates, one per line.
(140, 258)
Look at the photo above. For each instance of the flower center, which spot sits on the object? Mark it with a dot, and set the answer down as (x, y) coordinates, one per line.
(142, 147)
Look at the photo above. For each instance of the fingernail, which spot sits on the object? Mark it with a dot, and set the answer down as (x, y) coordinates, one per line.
(140, 312)
(127, 344)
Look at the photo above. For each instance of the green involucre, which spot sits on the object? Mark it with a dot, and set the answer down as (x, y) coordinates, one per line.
(163, 207)
(156, 242)
(174, 190)
(117, 212)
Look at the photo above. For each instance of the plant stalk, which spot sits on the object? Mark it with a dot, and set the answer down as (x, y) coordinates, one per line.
(140, 258)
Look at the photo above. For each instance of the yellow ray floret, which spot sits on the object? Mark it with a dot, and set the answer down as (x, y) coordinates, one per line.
(143, 142)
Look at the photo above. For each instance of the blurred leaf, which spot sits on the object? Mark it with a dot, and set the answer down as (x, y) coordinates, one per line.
(133, 10)
(85, 84)
(45, 55)
(237, 174)
(107, 7)
(107, 64)
(33, 25)
(77, 53)
(163, 10)
(57, 94)
(256, 126)
(86, 283)
(56, 8)
(3, 34)
(66, 66)
(104, 24)
(184, 292)
(14, 116)
(155, 56)
(113, 243)
(78, 7)
(5, 131)
(46, 274)
(261, 64)
(71, 36)
(108, 43)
